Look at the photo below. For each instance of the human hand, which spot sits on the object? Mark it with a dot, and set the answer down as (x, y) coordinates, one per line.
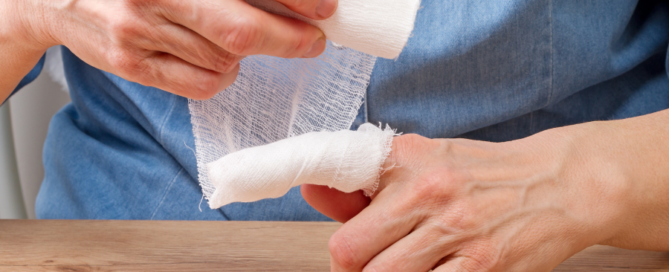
(463, 205)
(189, 48)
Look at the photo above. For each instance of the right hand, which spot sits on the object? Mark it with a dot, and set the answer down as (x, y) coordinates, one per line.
(189, 48)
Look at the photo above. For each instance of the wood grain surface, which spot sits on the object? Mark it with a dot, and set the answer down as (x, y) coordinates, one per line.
(58, 245)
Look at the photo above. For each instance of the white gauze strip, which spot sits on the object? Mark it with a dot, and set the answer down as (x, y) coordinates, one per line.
(274, 98)
(345, 160)
(377, 27)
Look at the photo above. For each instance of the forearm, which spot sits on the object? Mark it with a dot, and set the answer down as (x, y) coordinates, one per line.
(644, 158)
(19, 51)
(17, 62)
(630, 158)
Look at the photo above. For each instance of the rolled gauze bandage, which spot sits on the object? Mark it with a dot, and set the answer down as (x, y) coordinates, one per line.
(376, 27)
(345, 160)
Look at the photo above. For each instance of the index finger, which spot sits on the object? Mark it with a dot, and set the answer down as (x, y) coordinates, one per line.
(242, 29)
(371, 231)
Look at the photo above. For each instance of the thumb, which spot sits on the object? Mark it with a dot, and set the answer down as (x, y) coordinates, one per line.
(335, 204)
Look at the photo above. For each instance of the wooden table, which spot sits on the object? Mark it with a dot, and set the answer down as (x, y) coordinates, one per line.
(30, 245)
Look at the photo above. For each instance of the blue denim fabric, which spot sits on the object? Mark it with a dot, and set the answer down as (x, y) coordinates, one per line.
(489, 70)
(505, 68)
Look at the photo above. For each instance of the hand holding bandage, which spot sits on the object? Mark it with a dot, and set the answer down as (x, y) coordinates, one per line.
(189, 48)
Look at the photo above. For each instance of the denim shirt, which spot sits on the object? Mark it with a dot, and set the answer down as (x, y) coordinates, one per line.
(488, 70)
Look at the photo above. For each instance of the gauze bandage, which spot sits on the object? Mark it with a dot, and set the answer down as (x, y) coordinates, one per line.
(274, 99)
(345, 160)
(377, 27)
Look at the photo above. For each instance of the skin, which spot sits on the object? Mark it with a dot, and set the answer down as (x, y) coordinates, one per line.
(524, 205)
(189, 48)
(447, 204)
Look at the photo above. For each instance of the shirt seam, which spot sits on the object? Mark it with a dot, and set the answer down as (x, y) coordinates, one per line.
(167, 116)
(169, 187)
(551, 53)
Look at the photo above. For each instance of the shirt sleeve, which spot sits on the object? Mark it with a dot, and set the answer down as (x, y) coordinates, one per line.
(30, 77)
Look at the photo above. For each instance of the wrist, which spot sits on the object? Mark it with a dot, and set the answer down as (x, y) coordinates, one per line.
(639, 148)
(593, 190)
(20, 47)
(24, 26)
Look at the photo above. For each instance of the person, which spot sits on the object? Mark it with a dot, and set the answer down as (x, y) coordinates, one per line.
(543, 124)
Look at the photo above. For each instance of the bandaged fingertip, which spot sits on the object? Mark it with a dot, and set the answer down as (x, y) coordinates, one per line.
(345, 160)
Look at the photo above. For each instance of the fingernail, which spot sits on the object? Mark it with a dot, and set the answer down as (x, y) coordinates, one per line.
(326, 8)
(316, 49)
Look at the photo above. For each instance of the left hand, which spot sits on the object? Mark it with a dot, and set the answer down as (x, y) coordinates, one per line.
(189, 48)
(464, 205)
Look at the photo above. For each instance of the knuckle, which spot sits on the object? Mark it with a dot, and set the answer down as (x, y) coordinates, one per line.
(297, 47)
(206, 86)
(225, 62)
(409, 141)
(124, 29)
(433, 184)
(405, 147)
(126, 63)
(242, 37)
(129, 21)
(342, 253)
(443, 227)
(131, 3)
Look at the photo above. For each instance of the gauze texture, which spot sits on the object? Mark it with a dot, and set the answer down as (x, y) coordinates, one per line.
(274, 98)
(345, 160)
(376, 27)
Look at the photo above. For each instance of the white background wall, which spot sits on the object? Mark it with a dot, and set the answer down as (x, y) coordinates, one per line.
(11, 200)
(31, 110)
